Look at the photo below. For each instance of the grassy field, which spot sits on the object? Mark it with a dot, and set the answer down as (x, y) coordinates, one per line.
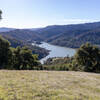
(49, 85)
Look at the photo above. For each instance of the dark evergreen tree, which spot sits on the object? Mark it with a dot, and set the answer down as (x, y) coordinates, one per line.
(5, 53)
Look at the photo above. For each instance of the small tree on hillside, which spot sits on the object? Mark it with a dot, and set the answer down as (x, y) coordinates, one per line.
(89, 57)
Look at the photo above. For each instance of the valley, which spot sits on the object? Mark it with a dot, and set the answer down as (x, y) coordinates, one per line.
(63, 35)
(49, 49)
(70, 36)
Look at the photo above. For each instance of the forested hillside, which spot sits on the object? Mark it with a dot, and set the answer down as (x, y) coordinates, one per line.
(64, 35)
(25, 38)
(72, 35)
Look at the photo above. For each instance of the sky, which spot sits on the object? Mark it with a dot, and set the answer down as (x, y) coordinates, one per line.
(41, 13)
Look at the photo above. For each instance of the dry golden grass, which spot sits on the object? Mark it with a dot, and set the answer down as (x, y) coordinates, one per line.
(49, 85)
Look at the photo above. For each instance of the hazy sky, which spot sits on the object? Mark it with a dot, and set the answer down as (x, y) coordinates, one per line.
(39, 13)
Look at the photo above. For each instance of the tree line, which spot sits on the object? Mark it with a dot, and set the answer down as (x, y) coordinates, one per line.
(17, 58)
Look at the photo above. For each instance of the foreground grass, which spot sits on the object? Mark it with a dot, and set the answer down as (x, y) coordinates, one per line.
(49, 85)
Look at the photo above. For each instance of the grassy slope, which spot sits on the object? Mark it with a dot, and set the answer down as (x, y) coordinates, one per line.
(47, 85)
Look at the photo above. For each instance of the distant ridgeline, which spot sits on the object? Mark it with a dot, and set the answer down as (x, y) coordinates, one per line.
(71, 35)
(63, 35)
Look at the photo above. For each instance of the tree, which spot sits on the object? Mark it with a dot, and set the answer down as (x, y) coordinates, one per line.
(17, 59)
(88, 56)
(24, 59)
(5, 52)
(0, 14)
(28, 60)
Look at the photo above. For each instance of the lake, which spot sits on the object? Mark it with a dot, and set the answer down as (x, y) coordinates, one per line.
(56, 51)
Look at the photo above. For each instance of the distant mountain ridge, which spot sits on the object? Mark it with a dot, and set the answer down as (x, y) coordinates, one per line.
(63, 35)
(72, 35)
(4, 29)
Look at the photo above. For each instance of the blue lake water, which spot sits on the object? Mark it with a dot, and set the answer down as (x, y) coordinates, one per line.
(56, 51)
